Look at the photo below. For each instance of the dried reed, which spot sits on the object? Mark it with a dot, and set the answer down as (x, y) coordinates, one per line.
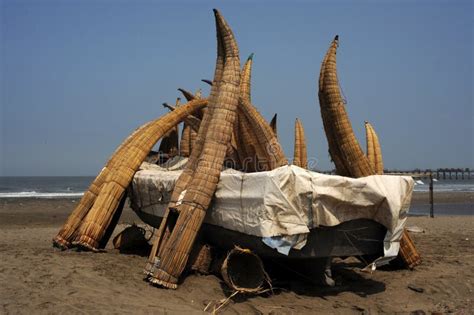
(408, 253)
(188, 95)
(273, 124)
(90, 220)
(300, 153)
(344, 148)
(203, 169)
(374, 152)
(169, 145)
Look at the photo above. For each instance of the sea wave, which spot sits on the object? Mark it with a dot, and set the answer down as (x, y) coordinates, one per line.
(34, 194)
(425, 188)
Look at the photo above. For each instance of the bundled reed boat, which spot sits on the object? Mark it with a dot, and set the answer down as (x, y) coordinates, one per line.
(228, 181)
(289, 211)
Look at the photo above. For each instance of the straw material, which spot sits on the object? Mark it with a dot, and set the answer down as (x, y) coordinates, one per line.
(192, 138)
(201, 263)
(243, 271)
(189, 133)
(198, 94)
(246, 78)
(244, 137)
(202, 171)
(130, 238)
(408, 253)
(188, 95)
(89, 221)
(300, 155)
(258, 147)
(184, 144)
(344, 148)
(170, 143)
(374, 152)
(66, 234)
(273, 124)
(189, 138)
(264, 136)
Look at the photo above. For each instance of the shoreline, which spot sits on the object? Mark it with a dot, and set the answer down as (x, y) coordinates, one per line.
(454, 197)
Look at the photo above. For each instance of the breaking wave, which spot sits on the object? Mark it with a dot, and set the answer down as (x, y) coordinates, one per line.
(34, 194)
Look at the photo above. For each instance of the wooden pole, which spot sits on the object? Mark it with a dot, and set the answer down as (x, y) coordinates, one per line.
(431, 196)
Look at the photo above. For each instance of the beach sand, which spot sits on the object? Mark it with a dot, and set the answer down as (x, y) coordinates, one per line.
(36, 278)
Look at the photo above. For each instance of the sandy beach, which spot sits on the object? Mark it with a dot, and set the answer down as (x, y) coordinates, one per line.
(36, 278)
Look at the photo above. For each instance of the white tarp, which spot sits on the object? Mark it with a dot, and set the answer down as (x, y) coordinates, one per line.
(287, 201)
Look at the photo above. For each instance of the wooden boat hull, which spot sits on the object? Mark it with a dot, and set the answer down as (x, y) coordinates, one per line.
(352, 238)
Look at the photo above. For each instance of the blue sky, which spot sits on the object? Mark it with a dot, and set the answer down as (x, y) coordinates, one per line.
(78, 76)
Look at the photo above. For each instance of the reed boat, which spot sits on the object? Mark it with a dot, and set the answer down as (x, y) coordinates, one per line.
(288, 212)
(259, 201)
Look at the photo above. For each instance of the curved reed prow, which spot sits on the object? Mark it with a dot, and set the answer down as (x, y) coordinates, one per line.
(344, 148)
(374, 151)
(300, 157)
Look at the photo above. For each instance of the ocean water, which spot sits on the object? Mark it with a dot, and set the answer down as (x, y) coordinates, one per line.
(460, 185)
(74, 187)
(446, 186)
(44, 187)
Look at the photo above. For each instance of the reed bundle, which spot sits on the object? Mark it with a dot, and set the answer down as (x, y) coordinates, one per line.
(256, 149)
(273, 124)
(266, 140)
(199, 179)
(188, 136)
(246, 79)
(344, 148)
(374, 152)
(202, 259)
(89, 221)
(169, 145)
(66, 234)
(184, 144)
(300, 157)
(188, 95)
(408, 253)
(248, 149)
(198, 94)
(253, 147)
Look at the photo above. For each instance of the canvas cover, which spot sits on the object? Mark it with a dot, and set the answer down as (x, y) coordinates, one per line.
(282, 205)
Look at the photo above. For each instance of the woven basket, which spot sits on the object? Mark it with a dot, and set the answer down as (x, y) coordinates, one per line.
(243, 271)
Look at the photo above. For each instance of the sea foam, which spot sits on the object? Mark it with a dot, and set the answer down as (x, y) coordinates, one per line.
(34, 194)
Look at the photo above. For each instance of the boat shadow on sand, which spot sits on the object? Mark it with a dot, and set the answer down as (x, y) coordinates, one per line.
(347, 277)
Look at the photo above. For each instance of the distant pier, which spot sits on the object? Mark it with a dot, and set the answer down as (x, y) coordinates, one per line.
(440, 173)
